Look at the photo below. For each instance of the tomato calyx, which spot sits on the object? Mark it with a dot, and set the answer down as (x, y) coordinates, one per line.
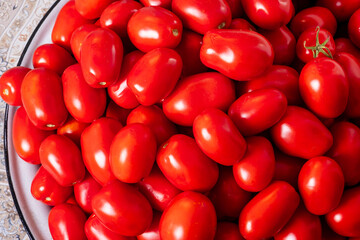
(175, 32)
(319, 47)
(222, 25)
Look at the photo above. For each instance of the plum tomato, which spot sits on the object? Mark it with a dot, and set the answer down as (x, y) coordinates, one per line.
(354, 28)
(157, 3)
(287, 168)
(116, 112)
(91, 9)
(84, 191)
(241, 24)
(342, 9)
(228, 231)
(345, 45)
(236, 8)
(72, 129)
(78, 37)
(152, 232)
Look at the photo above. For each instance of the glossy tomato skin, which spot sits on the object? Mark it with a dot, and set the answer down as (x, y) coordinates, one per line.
(237, 54)
(228, 198)
(325, 92)
(227, 230)
(268, 211)
(287, 168)
(66, 221)
(84, 191)
(342, 9)
(185, 165)
(27, 137)
(157, 3)
(10, 85)
(72, 129)
(102, 53)
(192, 212)
(42, 98)
(258, 110)
(130, 213)
(91, 9)
(300, 134)
(95, 148)
(269, 14)
(353, 28)
(78, 37)
(152, 233)
(202, 16)
(241, 24)
(45, 189)
(155, 75)
(218, 137)
(197, 92)
(236, 8)
(116, 112)
(345, 45)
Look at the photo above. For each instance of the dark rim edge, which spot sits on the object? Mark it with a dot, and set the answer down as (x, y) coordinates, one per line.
(6, 154)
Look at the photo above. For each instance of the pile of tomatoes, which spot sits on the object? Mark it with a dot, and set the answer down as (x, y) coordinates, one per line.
(195, 119)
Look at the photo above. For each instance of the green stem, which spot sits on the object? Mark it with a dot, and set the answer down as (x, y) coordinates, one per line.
(319, 47)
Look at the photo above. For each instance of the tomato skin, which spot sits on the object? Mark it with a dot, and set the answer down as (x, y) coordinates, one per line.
(184, 164)
(268, 211)
(300, 134)
(95, 147)
(157, 3)
(228, 198)
(45, 189)
(353, 28)
(197, 92)
(72, 129)
(328, 234)
(258, 110)
(342, 9)
(91, 9)
(202, 16)
(228, 231)
(152, 233)
(192, 212)
(287, 168)
(236, 8)
(116, 112)
(66, 221)
(10, 85)
(241, 24)
(346, 150)
(78, 37)
(218, 137)
(154, 27)
(269, 14)
(344, 218)
(345, 45)
(155, 75)
(42, 98)
(130, 212)
(84, 191)
(325, 92)
(102, 53)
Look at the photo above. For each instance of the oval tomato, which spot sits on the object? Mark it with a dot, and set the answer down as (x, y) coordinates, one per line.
(116, 112)
(91, 9)
(345, 45)
(72, 129)
(228, 231)
(157, 3)
(287, 168)
(342, 9)
(241, 24)
(78, 37)
(84, 192)
(152, 233)
(236, 8)
(354, 28)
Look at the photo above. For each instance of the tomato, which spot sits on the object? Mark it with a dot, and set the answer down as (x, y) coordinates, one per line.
(154, 118)
(154, 27)
(345, 45)
(258, 110)
(66, 221)
(354, 28)
(42, 98)
(157, 3)
(268, 211)
(342, 9)
(218, 137)
(256, 169)
(185, 165)
(287, 168)
(328, 234)
(228, 231)
(346, 150)
(237, 54)
(95, 148)
(201, 16)
(122, 209)
(241, 24)
(116, 112)
(325, 92)
(228, 198)
(193, 213)
(68, 19)
(300, 134)
(302, 225)
(72, 129)
(197, 92)
(270, 14)
(236, 8)
(84, 192)
(78, 37)
(311, 18)
(10, 85)
(91, 9)
(152, 232)
(102, 53)
(45, 189)
(154, 75)
(344, 219)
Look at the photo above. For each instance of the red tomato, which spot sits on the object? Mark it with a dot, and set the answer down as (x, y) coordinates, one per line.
(287, 168)
(68, 19)
(345, 45)
(197, 92)
(154, 75)
(72, 129)
(321, 184)
(228, 231)
(328, 234)
(42, 97)
(228, 198)
(26, 137)
(157, 3)
(95, 147)
(218, 137)
(45, 189)
(237, 54)
(152, 233)
(84, 192)
(354, 28)
(268, 211)
(236, 8)
(10, 85)
(344, 219)
(346, 150)
(258, 110)
(269, 14)
(342, 9)
(256, 169)
(91, 9)
(191, 212)
(102, 53)
(201, 16)
(154, 27)
(325, 92)
(66, 221)
(300, 134)
(185, 165)
(116, 112)
(241, 24)
(78, 37)
(122, 209)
